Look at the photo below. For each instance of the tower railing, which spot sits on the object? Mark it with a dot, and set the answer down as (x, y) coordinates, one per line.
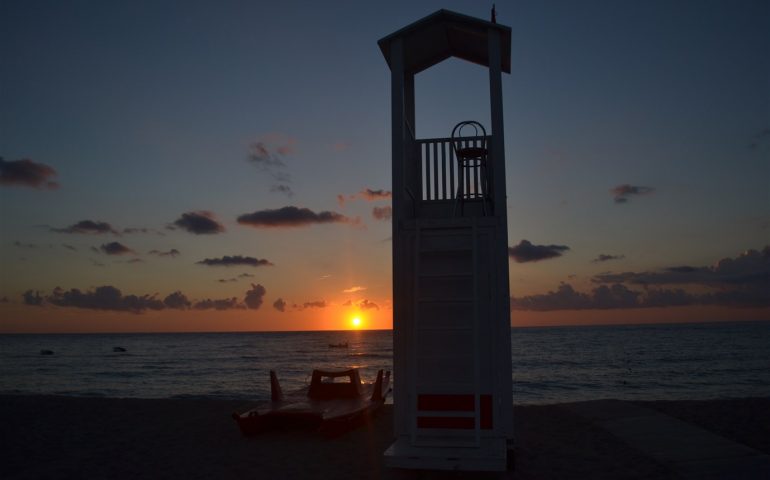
(439, 179)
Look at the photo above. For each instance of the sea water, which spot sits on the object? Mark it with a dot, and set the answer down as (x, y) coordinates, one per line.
(550, 365)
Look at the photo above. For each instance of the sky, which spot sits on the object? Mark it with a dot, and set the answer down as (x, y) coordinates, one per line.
(225, 166)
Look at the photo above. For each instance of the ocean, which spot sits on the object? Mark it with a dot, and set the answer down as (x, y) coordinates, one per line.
(550, 365)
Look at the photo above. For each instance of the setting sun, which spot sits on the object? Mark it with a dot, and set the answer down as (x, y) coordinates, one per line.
(356, 321)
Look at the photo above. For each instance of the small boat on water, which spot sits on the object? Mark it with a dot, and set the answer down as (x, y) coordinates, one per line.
(339, 345)
(329, 406)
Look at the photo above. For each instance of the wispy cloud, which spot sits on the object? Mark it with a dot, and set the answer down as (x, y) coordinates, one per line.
(170, 253)
(525, 251)
(758, 138)
(292, 217)
(235, 260)
(622, 193)
(199, 223)
(603, 257)
(27, 173)
(268, 155)
(353, 289)
(367, 194)
(382, 213)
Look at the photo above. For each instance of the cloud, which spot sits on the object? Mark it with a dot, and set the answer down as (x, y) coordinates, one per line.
(104, 298)
(268, 155)
(751, 267)
(69, 247)
(606, 258)
(87, 227)
(253, 299)
(27, 173)
(230, 261)
(199, 223)
(115, 248)
(280, 305)
(177, 300)
(281, 188)
(743, 281)
(314, 304)
(227, 280)
(382, 213)
(292, 217)
(171, 253)
(367, 194)
(24, 245)
(31, 298)
(618, 296)
(621, 193)
(245, 275)
(221, 304)
(526, 252)
(362, 304)
(353, 289)
(366, 305)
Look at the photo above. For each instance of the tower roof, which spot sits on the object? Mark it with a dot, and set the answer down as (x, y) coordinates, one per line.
(445, 34)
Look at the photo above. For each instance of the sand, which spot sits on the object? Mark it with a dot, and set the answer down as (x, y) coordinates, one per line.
(67, 437)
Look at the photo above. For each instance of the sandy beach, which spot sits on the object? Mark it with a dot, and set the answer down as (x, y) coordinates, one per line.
(68, 437)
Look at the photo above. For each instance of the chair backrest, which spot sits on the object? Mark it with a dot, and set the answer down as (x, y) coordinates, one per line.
(321, 390)
(463, 141)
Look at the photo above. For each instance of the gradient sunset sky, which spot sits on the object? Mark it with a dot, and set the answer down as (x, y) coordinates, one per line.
(217, 166)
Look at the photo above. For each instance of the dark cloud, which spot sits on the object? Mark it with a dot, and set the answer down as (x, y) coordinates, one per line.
(751, 267)
(606, 258)
(31, 298)
(743, 281)
(526, 252)
(27, 173)
(382, 213)
(104, 298)
(253, 299)
(69, 247)
(281, 188)
(200, 223)
(291, 217)
(619, 296)
(221, 304)
(621, 193)
(115, 248)
(177, 300)
(280, 305)
(24, 245)
(227, 280)
(230, 261)
(171, 253)
(245, 275)
(135, 260)
(88, 227)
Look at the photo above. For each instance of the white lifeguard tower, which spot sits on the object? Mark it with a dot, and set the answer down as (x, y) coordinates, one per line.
(451, 320)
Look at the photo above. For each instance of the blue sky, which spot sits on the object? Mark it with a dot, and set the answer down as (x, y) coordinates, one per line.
(149, 110)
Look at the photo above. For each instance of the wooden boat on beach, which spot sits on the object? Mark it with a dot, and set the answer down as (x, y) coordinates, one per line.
(326, 405)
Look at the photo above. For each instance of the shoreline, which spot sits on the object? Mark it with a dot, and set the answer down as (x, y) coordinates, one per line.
(97, 437)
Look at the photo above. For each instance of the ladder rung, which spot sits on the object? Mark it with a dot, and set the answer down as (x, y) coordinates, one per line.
(445, 300)
(446, 275)
(446, 413)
